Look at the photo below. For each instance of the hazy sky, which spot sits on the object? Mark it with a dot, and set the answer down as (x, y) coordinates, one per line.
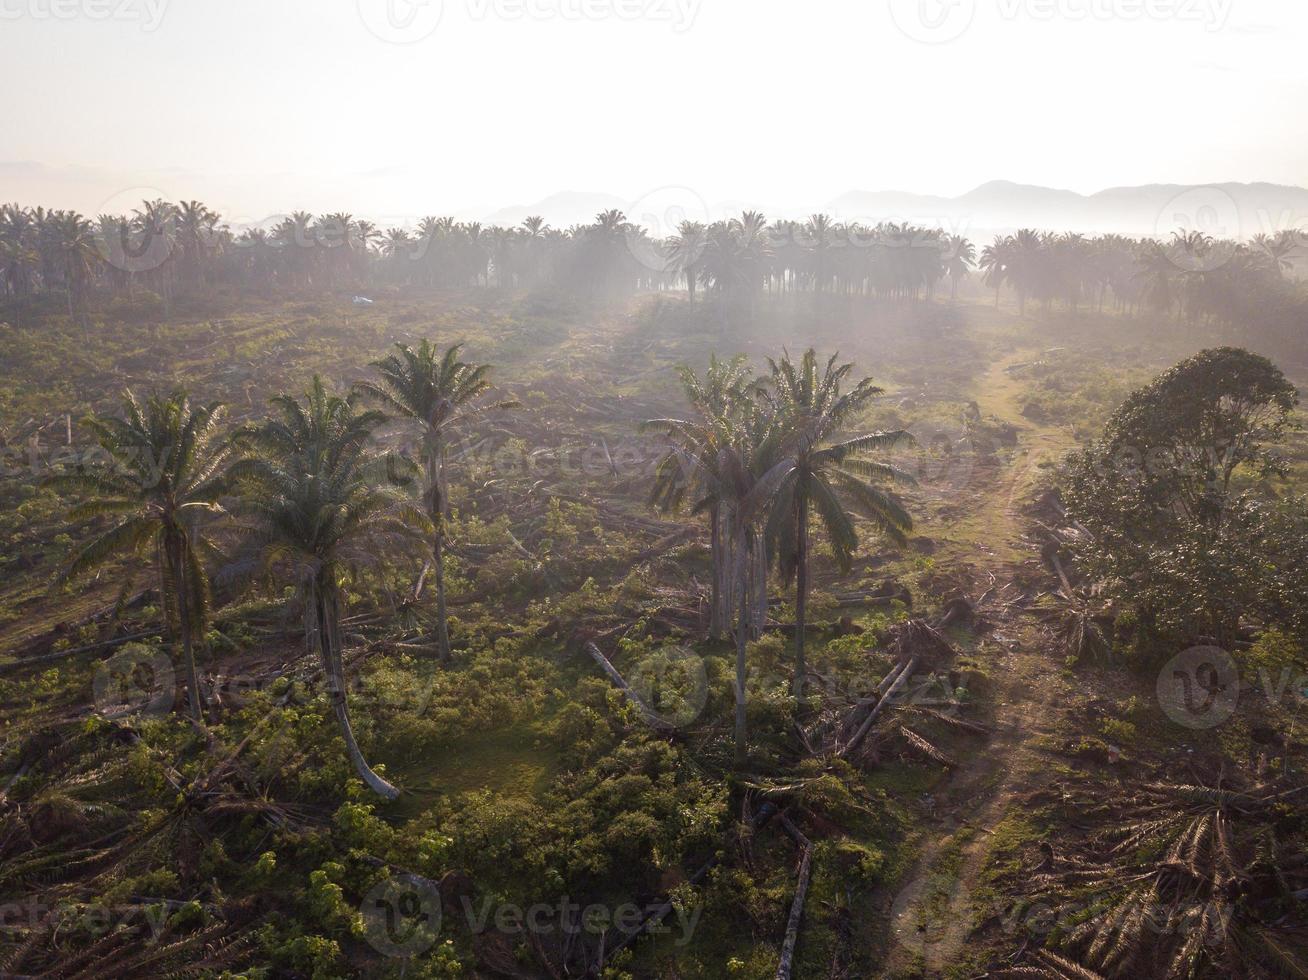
(259, 106)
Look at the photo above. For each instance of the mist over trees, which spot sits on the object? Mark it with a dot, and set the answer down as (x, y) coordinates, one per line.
(164, 251)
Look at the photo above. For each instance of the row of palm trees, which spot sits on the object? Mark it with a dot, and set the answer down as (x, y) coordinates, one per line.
(310, 494)
(761, 458)
(167, 247)
(307, 493)
(1188, 275)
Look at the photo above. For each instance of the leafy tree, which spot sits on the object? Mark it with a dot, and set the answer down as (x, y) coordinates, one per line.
(1170, 526)
(164, 477)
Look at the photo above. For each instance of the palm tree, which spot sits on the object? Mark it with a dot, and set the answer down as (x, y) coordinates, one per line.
(685, 249)
(812, 410)
(994, 264)
(78, 252)
(719, 400)
(746, 473)
(165, 476)
(959, 256)
(316, 510)
(438, 392)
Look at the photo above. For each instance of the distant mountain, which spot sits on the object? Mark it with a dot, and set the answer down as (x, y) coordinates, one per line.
(1223, 210)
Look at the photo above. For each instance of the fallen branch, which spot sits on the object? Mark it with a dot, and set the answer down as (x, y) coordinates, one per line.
(886, 700)
(651, 718)
(797, 904)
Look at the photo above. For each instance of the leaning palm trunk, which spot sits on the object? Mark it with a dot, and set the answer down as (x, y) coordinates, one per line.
(325, 604)
(176, 561)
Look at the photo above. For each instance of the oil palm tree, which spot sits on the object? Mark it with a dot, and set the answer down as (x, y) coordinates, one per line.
(960, 257)
(316, 509)
(994, 264)
(164, 477)
(685, 250)
(812, 410)
(718, 401)
(439, 392)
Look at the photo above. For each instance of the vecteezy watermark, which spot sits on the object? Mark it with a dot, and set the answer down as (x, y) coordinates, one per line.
(1212, 14)
(933, 21)
(402, 917)
(1199, 688)
(680, 14)
(148, 13)
(137, 680)
(410, 21)
(1203, 224)
(672, 684)
(659, 215)
(942, 21)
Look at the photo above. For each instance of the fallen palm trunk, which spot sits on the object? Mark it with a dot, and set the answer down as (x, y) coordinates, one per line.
(886, 699)
(786, 964)
(102, 645)
(651, 718)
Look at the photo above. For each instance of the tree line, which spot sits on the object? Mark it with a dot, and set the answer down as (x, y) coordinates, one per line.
(311, 496)
(171, 249)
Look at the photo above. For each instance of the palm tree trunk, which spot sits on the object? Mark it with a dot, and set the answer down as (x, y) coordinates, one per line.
(438, 567)
(715, 561)
(758, 573)
(742, 630)
(436, 489)
(176, 556)
(801, 594)
(328, 630)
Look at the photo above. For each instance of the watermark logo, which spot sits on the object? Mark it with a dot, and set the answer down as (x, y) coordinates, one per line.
(1199, 688)
(1203, 224)
(933, 21)
(401, 21)
(137, 680)
(940, 456)
(658, 215)
(672, 684)
(401, 917)
(139, 243)
(148, 14)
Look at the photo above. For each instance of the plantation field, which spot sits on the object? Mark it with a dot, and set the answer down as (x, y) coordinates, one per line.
(525, 774)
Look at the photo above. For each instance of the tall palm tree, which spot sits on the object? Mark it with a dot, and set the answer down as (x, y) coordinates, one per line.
(747, 471)
(959, 256)
(994, 264)
(165, 475)
(685, 250)
(78, 252)
(812, 410)
(719, 402)
(439, 392)
(316, 510)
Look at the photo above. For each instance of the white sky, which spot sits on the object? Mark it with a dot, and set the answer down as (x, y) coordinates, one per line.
(258, 106)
